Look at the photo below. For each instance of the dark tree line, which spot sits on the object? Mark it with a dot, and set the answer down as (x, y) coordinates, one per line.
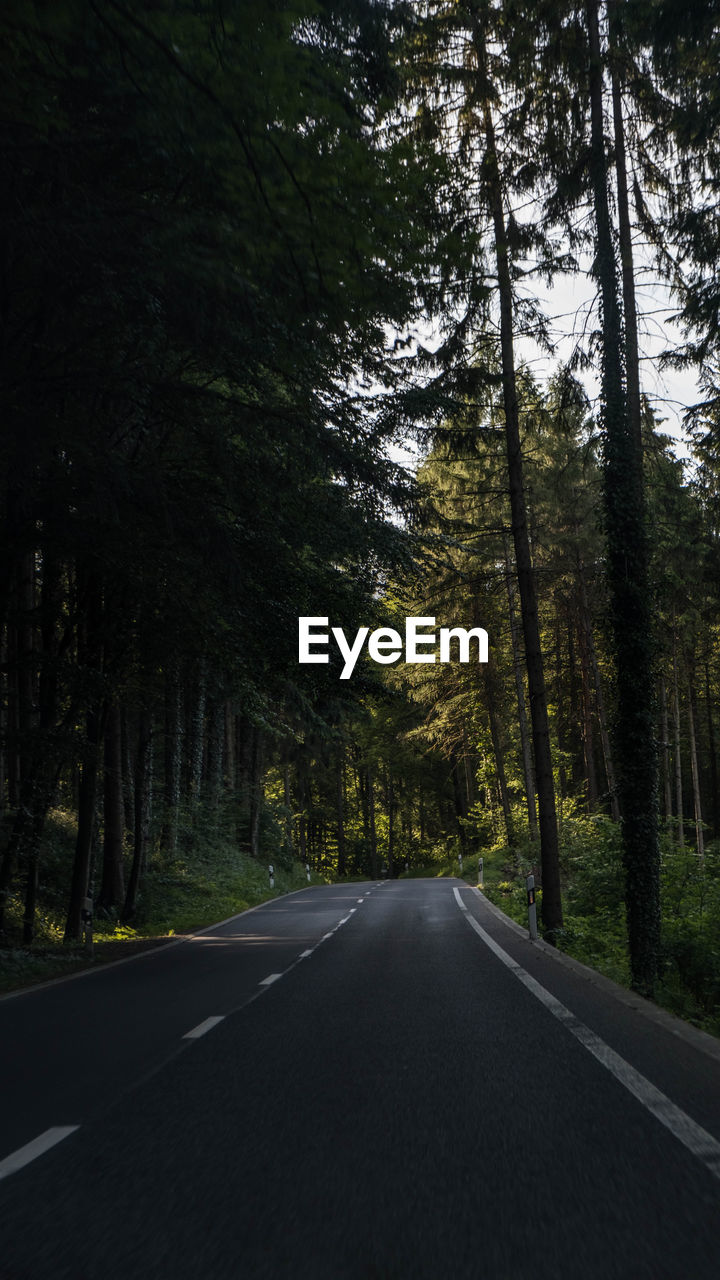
(227, 231)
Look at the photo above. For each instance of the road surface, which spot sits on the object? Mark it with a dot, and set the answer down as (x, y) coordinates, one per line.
(361, 1082)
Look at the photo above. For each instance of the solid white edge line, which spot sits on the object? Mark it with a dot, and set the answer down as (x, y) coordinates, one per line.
(692, 1135)
(272, 977)
(24, 1155)
(151, 951)
(202, 1027)
(304, 954)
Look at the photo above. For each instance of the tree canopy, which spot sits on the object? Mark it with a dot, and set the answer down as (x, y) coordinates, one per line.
(251, 252)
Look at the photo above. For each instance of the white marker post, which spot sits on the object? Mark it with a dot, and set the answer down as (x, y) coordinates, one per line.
(480, 873)
(307, 871)
(532, 909)
(407, 867)
(271, 869)
(460, 861)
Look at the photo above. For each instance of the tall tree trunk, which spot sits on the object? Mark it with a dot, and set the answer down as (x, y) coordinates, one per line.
(468, 774)
(364, 809)
(371, 823)
(143, 810)
(697, 803)
(90, 662)
(678, 758)
(13, 726)
(45, 766)
(459, 808)
(588, 736)
(390, 791)
(525, 742)
(599, 696)
(79, 884)
(197, 695)
(128, 773)
(605, 737)
(577, 765)
(26, 661)
(23, 750)
(287, 802)
(632, 361)
(712, 757)
(489, 676)
(257, 794)
(302, 802)
(628, 578)
(3, 721)
(551, 901)
(214, 769)
(172, 760)
(340, 811)
(229, 753)
(112, 888)
(665, 745)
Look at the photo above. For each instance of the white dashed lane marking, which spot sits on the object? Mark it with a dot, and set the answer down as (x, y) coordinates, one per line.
(50, 1138)
(24, 1155)
(202, 1027)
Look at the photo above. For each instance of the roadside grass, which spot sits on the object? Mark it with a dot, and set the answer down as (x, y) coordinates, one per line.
(209, 879)
(595, 931)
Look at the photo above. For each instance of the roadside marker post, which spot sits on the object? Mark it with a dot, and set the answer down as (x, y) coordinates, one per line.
(307, 871)
(271, 869)
(480, 872)
(532, 909)
(460, 861)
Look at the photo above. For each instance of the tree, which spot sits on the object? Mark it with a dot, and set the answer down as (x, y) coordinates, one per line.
(627, 571)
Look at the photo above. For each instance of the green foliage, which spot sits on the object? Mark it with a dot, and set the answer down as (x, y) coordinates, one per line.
(190, 894)
(592, 864)
(691, 933)
(224, 227)
(209, 880)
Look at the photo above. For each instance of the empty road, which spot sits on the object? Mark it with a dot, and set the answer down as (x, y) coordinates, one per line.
(358, 1082)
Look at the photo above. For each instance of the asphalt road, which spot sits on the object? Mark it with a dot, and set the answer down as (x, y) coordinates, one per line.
(397, 1087)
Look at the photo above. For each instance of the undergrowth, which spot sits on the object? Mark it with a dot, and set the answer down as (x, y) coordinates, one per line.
(207, 880)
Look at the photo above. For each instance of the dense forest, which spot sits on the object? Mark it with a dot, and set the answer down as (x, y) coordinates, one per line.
(270, 274)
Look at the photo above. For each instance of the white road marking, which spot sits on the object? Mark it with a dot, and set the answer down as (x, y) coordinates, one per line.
(361, 899)
(343, 921)
(202, 1027)
(692, 1135)
(304, 954)
(272, 977)
(18, 1159)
